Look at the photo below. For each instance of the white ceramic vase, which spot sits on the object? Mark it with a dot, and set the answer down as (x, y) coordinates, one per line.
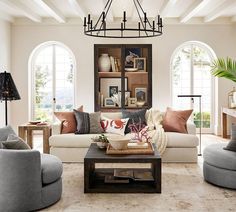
(104, 63)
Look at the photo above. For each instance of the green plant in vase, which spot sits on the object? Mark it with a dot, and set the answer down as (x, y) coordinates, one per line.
(101, 140)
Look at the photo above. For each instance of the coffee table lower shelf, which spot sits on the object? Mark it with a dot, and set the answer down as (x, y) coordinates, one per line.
(97, 184)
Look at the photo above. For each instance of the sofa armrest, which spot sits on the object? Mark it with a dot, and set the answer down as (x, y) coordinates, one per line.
(191, 128)
(56, 128)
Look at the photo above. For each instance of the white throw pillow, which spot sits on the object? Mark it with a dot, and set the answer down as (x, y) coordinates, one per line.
(116, 126)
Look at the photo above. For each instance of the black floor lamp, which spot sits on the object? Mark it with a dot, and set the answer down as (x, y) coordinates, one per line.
(200, 124)
(8, 90)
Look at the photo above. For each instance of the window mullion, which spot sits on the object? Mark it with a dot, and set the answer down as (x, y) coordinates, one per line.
(54, 78)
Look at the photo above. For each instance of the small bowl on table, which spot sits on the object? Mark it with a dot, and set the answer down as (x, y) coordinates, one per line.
(119, 143)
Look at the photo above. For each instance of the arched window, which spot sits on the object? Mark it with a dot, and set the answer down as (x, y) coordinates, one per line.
(52, 74)
(190, 70)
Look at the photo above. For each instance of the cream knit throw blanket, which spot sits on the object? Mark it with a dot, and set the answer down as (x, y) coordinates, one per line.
(153, 119)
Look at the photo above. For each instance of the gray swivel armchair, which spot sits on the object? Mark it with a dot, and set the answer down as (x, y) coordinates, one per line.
(28, 180)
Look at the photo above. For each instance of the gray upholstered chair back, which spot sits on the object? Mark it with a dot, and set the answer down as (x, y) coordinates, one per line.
(20, 179)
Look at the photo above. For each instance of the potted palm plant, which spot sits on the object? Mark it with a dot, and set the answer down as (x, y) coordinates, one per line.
(226, 68)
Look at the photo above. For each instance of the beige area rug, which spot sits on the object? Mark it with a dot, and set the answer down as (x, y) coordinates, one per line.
(183, 189)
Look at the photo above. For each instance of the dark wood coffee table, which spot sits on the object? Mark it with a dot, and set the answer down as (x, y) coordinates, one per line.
(94, 178)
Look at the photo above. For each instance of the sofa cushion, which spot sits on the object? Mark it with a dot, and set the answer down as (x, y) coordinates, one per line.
(175, 121)
(215, 155)
(51, 168)
(181, 140)
(68, 120)
(134, 117)
(88, 122)
(116, 126)
(4, 132)
(15, 142)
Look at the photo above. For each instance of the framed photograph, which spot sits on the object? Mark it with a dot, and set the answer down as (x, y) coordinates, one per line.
(109, 102)
(140, 92)
(110, 84)
(127, 95)
(130, 54)
(140, 64)
(132, 102)
(113, 90)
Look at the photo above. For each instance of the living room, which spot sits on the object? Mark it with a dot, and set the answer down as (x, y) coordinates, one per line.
(31, 32)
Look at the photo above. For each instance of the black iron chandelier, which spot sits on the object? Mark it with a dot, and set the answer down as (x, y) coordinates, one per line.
(144, 28)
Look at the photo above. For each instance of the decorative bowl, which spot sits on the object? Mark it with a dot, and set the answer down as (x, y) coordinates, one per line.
(102, 145)
(119, 143)
(34, 122)
(140, 103)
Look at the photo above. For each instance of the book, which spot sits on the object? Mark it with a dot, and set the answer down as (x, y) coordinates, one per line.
(135, 145)
(112, 64)
(112, 179)
(136, 175)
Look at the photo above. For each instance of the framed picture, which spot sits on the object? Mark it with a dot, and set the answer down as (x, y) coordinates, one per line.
(127, 95)
(113, 90)
(109, 102)
(130, 54)
(140, 92)
(110, 84)
(140, 64)
(132, 102)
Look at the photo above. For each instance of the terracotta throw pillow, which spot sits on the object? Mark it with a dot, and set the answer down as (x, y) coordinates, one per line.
(68, 120)
(175, 121)
(116, 126)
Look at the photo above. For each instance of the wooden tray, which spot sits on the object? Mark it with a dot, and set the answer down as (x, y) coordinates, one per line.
(131, 151)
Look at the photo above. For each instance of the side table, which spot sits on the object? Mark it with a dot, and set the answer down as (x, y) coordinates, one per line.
(27, 129)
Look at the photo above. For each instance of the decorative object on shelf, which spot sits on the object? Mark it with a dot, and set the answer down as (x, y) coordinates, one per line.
(232, 98)
(109, 102)
(116, 98)
(132, 102)
(106, 82)
(140, 132)
(119, 143)
(130, 54)
(131, 69)
(140, 64)
(112, 60)
(113, 90)
(141, 94)
(127, 95)
(101, 140)
(144, 27)
(104, 63)
(8, 90)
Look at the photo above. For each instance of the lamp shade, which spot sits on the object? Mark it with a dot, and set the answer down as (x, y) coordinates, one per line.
(8, 90)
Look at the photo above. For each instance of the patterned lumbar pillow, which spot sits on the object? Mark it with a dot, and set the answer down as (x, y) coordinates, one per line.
(88, 122)
(135, 117)
(232, 144)
(15, 142)
(116, 126)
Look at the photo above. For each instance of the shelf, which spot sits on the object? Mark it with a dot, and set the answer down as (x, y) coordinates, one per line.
(109, 74)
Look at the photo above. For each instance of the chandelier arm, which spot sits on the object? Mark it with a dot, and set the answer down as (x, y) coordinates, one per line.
(140, 16)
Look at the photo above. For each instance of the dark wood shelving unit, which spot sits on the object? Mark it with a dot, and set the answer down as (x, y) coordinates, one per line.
(134, 83)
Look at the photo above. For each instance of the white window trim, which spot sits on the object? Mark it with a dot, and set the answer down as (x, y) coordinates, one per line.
(31, 79)
(213, 56)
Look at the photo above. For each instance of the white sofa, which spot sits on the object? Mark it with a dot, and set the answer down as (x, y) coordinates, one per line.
(72, 148)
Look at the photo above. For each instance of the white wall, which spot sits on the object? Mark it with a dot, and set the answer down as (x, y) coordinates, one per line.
(5, 38)
(25, 38)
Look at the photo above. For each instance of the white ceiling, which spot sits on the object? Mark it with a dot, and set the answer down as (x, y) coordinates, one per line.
(181, 11)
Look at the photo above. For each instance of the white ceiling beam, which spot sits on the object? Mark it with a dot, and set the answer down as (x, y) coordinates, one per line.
(51, 10)
(193, 10)
(77, 8)
(16, 5)
(166, 6)
(6, 17)
(219, 10)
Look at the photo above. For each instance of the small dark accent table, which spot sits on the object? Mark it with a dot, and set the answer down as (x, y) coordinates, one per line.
(94, 177)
